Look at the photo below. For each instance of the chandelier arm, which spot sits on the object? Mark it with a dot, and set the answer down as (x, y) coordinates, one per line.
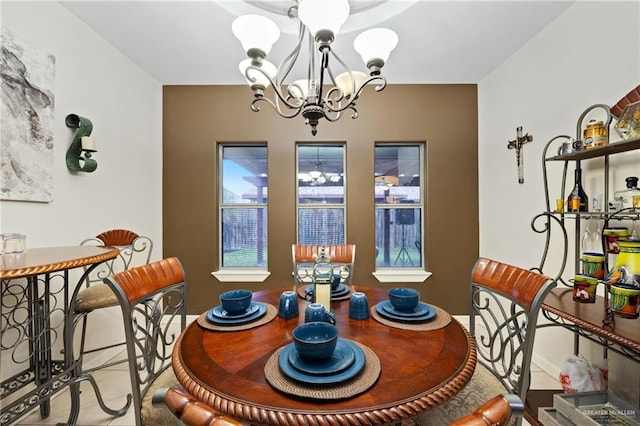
(256, 108)
(354, 96)
(291, 58)
(341, 62)
(276, 89)
(334, 118)
(339, 114)
(364, 83)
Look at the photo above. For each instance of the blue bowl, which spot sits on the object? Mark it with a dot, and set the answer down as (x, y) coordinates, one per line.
(403, 298)
(236, 301)
(315, 340)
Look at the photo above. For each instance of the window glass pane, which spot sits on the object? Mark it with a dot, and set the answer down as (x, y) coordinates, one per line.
(321, 226)
(244, 174)
(244, 237)
(398, 237)
(397, 174)
(321, 174)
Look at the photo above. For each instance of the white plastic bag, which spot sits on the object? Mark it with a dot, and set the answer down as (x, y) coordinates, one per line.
(580, 375)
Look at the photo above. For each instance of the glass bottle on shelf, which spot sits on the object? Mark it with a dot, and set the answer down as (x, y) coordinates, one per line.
(625, 197)
(578, 200)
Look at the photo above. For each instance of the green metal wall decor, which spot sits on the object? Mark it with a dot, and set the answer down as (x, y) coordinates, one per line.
(81, 143)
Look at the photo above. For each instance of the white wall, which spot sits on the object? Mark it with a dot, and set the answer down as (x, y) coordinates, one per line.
(93, 80)
(589, 55)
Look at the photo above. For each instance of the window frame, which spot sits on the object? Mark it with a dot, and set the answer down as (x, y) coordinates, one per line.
(236, 273)
(343, 205)
(420, 273)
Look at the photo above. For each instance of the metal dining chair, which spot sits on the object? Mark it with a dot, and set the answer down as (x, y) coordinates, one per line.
(135, 250)
(95, 295)
(152, 299)
(505, 303)
(498, 411)
(341, 256)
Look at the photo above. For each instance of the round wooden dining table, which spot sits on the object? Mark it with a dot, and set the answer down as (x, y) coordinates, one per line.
(419, 370)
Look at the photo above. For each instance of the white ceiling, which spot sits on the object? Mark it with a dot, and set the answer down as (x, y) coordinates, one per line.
(190, 42)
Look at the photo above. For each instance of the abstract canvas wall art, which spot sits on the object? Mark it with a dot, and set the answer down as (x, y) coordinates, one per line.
(26, 120)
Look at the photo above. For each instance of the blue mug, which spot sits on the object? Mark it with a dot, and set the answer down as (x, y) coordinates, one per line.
(316, 312)
(335, 281)
(359, 306)
(288, 305)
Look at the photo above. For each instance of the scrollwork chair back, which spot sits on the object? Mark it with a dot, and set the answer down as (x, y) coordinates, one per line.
(152, 298)
(505, 303)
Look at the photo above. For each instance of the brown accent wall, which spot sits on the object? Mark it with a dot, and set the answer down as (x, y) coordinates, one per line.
(196, 117)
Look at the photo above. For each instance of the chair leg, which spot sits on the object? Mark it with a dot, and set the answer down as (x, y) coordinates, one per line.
(111, 411)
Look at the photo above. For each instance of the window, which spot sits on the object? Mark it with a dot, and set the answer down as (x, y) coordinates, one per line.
(243, 206)
(320, 194)
(399, 205)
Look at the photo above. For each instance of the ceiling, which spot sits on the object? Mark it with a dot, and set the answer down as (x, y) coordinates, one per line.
(181, 42)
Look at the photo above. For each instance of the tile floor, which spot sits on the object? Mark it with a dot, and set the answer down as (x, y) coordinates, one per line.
(114, 383)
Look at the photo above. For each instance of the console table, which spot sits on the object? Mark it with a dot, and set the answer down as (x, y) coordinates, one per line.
(37, 291)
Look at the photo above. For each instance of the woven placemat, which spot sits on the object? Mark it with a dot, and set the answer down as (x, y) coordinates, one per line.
(271, 313)
(352, 387)
(442, 319)
(302, 292)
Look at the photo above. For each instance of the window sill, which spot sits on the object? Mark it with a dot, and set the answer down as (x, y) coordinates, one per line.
(238, 275)
(401, 275)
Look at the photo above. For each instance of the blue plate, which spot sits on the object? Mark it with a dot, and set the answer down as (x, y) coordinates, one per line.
(288, 370)
(342, 358)
(221, 313)
(341, 290)
(418, 311)
(430, 314)
(262, 309)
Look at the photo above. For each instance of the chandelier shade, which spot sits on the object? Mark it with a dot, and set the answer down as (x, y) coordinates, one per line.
(376, 43)
(349, 82)
(322, 94)
(255, 32)
(319, 15)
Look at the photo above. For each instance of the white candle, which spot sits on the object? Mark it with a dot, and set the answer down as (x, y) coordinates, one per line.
(88, 143)
(322, 293)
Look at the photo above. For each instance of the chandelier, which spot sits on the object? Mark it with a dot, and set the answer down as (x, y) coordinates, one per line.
(322, 94)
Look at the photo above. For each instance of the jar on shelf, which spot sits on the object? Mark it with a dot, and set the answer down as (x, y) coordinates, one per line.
(595, 135)
(626, 270)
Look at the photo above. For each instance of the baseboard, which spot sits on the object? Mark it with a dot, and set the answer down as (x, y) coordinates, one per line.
(543, 364)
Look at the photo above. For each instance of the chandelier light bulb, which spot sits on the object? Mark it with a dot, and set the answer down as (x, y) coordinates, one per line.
(260, 78)
(375, 44)
(318, 15)
(256, 32)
